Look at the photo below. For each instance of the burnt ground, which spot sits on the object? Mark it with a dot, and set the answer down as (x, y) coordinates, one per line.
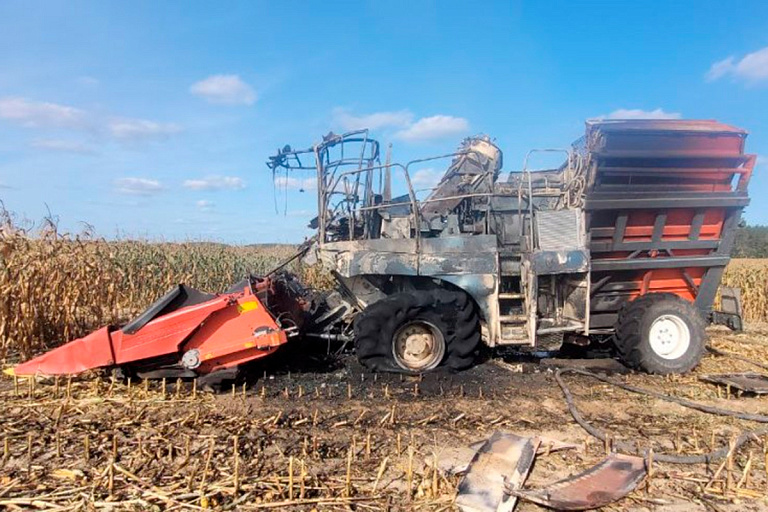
(308, 433)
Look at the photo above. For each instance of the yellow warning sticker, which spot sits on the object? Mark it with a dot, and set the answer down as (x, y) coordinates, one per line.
(247, 306)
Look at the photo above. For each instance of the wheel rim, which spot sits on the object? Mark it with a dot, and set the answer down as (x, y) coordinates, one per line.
(418, 346)
(670, 337)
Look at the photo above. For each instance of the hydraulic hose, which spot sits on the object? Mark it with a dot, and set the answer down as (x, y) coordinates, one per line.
(632, 448)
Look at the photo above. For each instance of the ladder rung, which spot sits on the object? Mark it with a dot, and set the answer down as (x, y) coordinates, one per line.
(513, 341)
(511, 296)
(513, 319)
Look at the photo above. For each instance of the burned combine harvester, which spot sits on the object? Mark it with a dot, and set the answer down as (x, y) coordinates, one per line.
(627, 240)
(629, 237)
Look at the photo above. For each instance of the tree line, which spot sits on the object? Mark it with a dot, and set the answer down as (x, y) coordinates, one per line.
(751, 242)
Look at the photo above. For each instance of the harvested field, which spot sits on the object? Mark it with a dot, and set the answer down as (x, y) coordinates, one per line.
(313, 433)
(312, 436)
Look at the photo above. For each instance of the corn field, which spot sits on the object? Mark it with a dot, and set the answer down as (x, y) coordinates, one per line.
(751, 275)
(55, 287)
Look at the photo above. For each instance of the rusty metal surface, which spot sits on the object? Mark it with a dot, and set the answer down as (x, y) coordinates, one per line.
(612, 479)
(503, 458)
(749, 382)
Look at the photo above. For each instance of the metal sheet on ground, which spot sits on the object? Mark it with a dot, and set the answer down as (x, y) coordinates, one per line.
(456, 460)
(504, 458)
(612, 479)
(749, 382)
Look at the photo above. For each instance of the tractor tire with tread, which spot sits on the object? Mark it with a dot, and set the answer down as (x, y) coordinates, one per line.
(453, 313)
(634, 331)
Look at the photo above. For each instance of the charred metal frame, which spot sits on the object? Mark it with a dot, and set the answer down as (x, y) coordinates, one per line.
(618, 267)
(330, 175)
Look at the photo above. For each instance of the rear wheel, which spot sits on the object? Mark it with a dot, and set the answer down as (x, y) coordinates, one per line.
(417, 332)
(418, 346)
(661, 333)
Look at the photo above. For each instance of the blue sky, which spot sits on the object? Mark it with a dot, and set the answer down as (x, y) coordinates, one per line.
(154, 119)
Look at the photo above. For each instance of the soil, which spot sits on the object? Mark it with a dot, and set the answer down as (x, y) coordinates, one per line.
(310, 432)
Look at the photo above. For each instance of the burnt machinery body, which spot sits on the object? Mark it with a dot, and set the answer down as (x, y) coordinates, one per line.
(625, 241)
(628, 237)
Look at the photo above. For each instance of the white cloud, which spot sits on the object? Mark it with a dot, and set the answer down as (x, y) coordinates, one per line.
(636, 113)
(426, 178)
(205, 206)
(88, 81)
(761, 160)
(215, 183)
(288, 182)
(347, 121)
(434, 127)
(138, 186)
(36, 114)
(423, 129)
(751, 68)
(224, 90)
(40, 114)
(135, 130)
(719, 69)
(63, 146)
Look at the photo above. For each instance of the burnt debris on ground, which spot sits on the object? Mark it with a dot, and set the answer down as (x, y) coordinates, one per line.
(344, 438)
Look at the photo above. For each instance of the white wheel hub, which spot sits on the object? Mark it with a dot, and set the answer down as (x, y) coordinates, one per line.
(670, 337)
(418, 346)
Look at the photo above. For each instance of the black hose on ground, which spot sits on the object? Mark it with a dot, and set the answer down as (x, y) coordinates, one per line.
(632, 448)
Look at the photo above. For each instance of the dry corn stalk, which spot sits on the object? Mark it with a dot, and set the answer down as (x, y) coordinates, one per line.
(57, 286)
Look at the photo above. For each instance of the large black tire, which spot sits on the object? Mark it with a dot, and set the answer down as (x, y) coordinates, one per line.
(664, 352)
(453, 313)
